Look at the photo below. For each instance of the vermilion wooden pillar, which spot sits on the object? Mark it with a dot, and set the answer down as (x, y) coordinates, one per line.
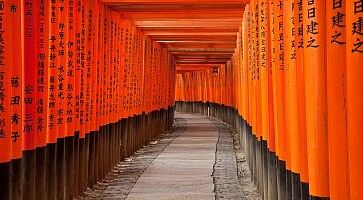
(354, 56)
(337, 99)
(314, 19)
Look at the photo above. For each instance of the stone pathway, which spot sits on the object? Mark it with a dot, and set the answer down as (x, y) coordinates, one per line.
(225, 176)
(123, 177)
(184, 169)
(197, 161)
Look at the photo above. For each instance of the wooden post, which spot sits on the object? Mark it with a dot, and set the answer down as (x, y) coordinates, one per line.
(315, 94)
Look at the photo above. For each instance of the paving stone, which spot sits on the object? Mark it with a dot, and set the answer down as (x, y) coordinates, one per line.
(123, 177)
(190, 155)
(225, 169)
(197, 161)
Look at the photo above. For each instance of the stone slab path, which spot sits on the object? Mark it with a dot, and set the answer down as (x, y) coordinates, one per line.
(197, 161)
(184, 170)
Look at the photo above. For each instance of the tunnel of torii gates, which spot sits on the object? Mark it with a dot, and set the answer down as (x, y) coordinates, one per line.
(85, 83)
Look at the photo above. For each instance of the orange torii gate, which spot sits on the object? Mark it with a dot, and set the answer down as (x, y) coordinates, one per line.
(85, 83)
(296, 68)
(72, 72)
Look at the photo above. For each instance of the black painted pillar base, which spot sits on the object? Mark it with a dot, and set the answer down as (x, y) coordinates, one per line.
(5, 180)
(69, 158)
(81, 166)
(91, 160)
(296, 191)
(288, 183)
(305, 191)
(51, 171)
(259, 165)
(41, 160)
(28, 171)
(76, 164)
(61, 168)
(16, 179)
(272, 176)
(281, 180)
(265, 169)
(85, 171)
